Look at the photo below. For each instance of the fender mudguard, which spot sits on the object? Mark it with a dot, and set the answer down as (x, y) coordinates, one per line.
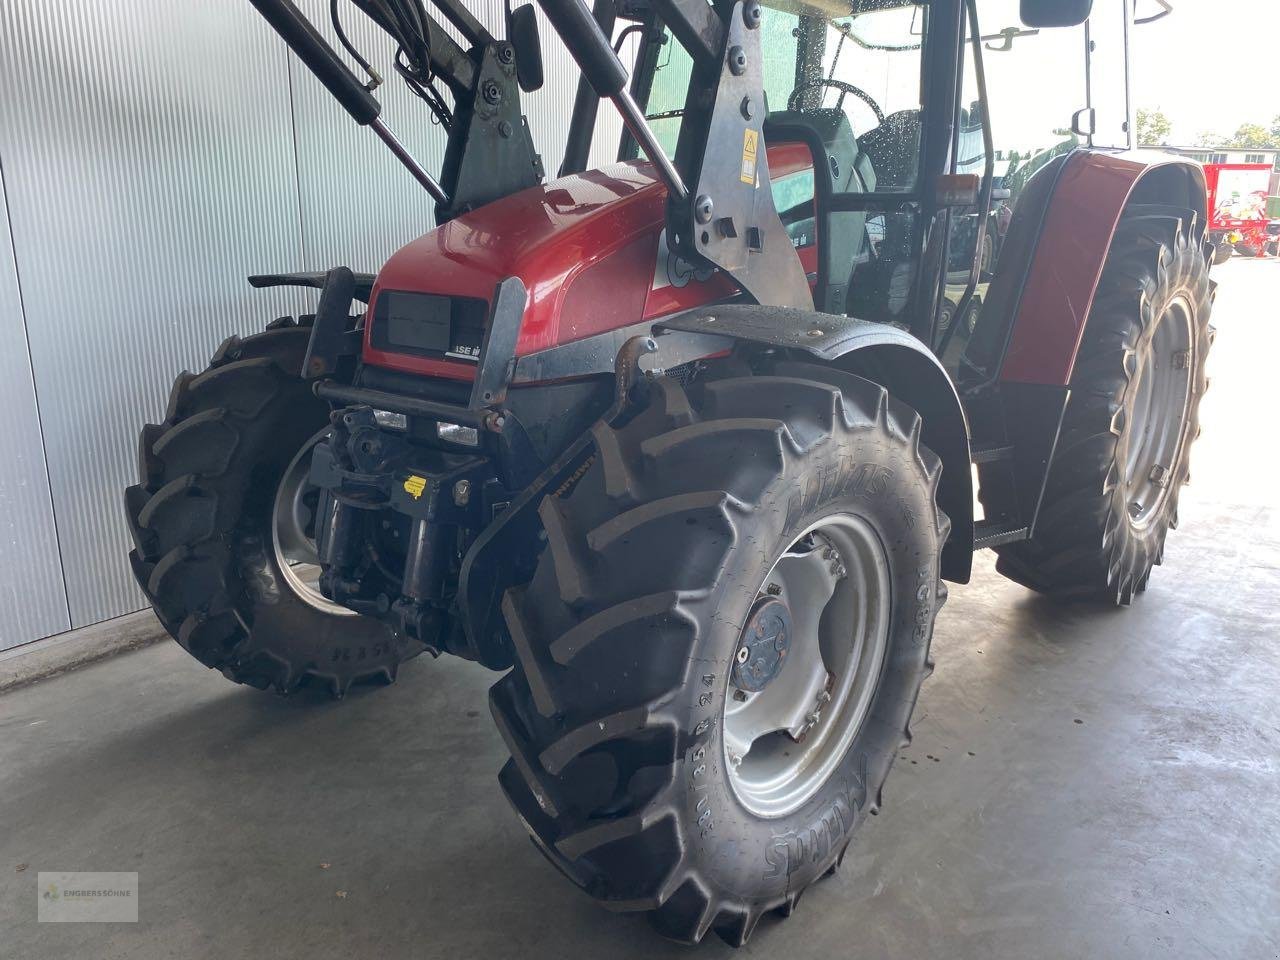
(882, 353)
(1019, 362)
(1084, 207)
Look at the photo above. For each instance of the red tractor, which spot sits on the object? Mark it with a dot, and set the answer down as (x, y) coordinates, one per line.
(682, 446)
(1238, 220)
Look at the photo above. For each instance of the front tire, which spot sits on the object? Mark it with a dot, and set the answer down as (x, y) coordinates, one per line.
(1123, 453)
(217, 474)
(619, 710)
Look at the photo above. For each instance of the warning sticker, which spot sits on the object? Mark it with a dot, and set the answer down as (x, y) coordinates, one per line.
(415, 485)
(750, 140)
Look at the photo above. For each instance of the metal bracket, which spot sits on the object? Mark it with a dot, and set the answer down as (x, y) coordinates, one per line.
(498, 349)
(329, 342)
(696, 26)
(728, 219)
(490, 151)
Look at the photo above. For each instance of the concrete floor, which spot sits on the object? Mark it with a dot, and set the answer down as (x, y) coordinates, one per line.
(1083, 783)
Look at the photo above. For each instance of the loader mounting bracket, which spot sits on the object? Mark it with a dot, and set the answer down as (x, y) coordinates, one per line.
(490, 151)
(728, 219)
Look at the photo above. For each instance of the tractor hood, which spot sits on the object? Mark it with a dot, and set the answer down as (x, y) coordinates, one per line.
(590, 249)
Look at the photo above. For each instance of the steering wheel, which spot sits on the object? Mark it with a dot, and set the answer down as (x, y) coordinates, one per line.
(793, 101)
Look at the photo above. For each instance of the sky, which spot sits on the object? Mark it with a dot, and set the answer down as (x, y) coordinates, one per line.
(1210, 65)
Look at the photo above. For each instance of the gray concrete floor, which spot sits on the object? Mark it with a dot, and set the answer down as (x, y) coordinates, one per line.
(1082, 783)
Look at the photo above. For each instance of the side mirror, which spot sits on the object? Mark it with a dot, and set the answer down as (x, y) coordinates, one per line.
(522, 33)
(1055, 13)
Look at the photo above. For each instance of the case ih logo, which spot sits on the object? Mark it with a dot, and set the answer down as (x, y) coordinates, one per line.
(673, 270)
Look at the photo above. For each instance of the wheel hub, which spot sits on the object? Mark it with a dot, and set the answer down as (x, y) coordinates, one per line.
(293, 532)
(765, 641)
(807, 665)
(1161, 393)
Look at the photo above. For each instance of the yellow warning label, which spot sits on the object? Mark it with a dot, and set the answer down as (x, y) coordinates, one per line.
(414, 486)
(750, 139)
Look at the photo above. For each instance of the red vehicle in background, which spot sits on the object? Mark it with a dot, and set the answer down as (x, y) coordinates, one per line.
(1238, 221)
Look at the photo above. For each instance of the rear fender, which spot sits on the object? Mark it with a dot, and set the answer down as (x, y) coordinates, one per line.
(1022, 355)
(1091, 194)
(888, 356)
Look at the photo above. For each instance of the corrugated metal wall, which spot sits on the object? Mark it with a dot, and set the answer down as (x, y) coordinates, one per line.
(153, 154)
(33, 602)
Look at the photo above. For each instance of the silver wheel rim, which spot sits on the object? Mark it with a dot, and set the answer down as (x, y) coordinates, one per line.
(784, 742)
(294, 548)
(1161, 388)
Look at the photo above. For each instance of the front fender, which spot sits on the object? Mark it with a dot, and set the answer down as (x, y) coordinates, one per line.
(886, 355)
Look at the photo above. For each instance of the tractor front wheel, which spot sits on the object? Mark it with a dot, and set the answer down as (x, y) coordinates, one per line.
(1122, 455)
(223, 523)
(721, 647)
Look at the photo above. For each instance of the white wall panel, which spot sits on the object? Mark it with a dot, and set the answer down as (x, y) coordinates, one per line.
(149, 163)
(33, 603)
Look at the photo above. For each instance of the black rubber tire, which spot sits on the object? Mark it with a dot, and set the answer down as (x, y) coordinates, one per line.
(202, 525)
(1086, 544)
(626, 633)
(1246, 249)
(1272, 249)
(1222, 253)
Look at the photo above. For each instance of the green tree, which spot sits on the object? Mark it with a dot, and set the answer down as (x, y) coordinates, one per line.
(1153, 127)
(1211, 139)
(1254, 135)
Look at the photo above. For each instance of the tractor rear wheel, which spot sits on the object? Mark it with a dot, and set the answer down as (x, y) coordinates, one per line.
(1122, 455)
(222, 522)
(721, 647)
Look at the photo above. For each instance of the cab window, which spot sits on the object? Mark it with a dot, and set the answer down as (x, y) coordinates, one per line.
(850, 88)
(1037, 84)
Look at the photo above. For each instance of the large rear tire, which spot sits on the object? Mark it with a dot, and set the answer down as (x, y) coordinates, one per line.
(626, 713)
(1123, 453)
(226, 464)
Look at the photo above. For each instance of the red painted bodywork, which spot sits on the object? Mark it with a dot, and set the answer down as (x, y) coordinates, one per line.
(585, 247)
(1072, 249)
